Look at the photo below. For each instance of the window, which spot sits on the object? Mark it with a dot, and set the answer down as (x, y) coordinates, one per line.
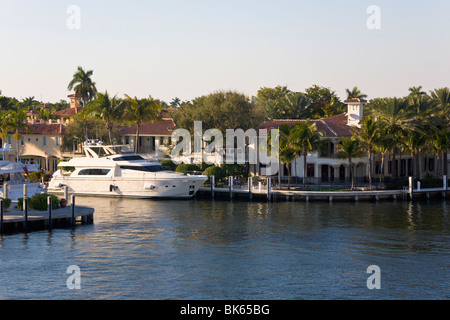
(161, 141)
(128, 158)
(94, 172)
(152, 168)
(44, 141)
(57, 141)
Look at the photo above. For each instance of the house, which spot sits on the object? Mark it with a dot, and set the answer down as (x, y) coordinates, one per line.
(154, 137)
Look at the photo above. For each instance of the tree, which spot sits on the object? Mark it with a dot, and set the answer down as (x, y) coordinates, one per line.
(355, 93)
(367, 134)
(323, 102)
(175, 102)
(83, 85)
(139, 111)
(350, 148)
(294, 105)
(305, 137)
(442, 99)
(18, 122)
(416, 91)
(110, 110)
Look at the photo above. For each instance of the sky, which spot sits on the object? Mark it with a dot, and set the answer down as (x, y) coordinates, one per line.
(189, 48)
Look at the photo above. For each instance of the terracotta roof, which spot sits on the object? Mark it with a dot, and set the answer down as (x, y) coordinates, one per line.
(74, 95)
(44, 128)
(355, 100)
(68, 112)
(331, 127)
(152, 128)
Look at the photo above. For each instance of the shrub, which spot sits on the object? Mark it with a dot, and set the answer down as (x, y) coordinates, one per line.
(233, 169)
(20, 203)
(169, 165)
(39, 201)
(186, 167)
(6, 203)
(217, 172)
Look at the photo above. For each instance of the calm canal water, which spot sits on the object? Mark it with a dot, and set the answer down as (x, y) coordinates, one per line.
(141, 249)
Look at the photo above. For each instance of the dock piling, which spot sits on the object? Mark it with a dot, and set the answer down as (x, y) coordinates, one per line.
(25, 213)
(1, 216)
(250, 186)
(49, 208)
(73, 211)
(269, 186)
(213, 182)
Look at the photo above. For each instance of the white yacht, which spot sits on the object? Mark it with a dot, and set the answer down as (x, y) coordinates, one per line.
(12, 178)
(105, 171)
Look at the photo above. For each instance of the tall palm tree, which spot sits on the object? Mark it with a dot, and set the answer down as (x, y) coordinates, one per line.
(138, 111)
(18, 122)
(355, 93)
(83, 85)
(416, 91)
(367, 134)
(110, 110)
(442, 99)
(395, 116)
(382, 144)
(305, 137)
(286, 152)
(350, 148)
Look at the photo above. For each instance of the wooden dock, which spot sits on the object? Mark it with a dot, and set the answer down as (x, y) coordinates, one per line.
(330, 196)
(16, 221)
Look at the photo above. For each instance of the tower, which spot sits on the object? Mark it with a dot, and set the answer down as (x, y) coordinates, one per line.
(355, 111)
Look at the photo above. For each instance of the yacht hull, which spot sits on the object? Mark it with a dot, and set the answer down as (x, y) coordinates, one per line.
(128, 188)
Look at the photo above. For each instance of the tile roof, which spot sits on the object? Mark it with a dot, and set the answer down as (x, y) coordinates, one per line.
(152, 128)
(331, 127)
(68, 112)
(44, 128)
(355, 100)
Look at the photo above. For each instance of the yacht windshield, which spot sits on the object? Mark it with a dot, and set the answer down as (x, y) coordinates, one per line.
(152, 168)
(128, 158)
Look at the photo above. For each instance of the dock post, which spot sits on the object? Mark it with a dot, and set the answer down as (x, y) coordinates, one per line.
(250, 186)
(444, 182)
(213, 182)
(25, 214)
(66, 193)
(411, 187)
(5, 190)
(269, 186)
(1, 216)
(25, 193)
(230, 186)
(73, 210)
(307, 198)
(49, 209)
(356, 198)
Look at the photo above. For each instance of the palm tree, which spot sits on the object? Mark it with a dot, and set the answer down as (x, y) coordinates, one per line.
(394, 115)
(350, 148)
(367, 134)
(17, 122)
(83, 85)
(286, 152)
(139, 111)
(416, 91)
(355, 93)
(305, 137)
(110, 110)
(442, 99)
(175, 102)
(382, 144)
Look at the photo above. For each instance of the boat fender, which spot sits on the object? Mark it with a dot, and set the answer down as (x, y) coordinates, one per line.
(149, 187)
(112, 188)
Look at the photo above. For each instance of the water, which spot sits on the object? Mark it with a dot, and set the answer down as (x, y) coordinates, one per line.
(141, 249)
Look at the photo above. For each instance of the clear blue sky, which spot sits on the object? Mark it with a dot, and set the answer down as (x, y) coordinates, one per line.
(187, 48)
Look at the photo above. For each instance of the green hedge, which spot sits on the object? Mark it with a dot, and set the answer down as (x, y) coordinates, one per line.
(217, 172)
(39, 201)
(169, 165)
(186, 167)
(6, 203)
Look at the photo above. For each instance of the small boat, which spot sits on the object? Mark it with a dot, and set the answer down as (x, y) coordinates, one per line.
(12, 179)
(106, 171)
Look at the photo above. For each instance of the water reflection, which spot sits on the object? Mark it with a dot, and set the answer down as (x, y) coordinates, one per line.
(209, 249)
